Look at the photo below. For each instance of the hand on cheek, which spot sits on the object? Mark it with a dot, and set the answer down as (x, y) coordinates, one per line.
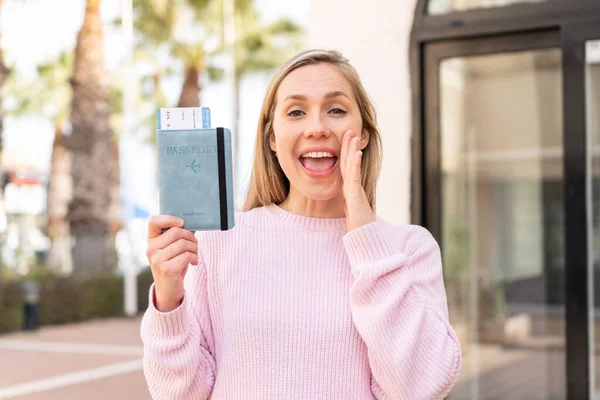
(356, 205)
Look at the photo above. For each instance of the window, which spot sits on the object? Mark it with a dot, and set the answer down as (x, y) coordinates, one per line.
(436, 7)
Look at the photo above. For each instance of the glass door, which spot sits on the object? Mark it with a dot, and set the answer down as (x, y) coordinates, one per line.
(494, 198)
(581, 44)
(592, 96)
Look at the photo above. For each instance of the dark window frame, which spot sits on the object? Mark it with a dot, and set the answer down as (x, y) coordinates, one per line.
(499, 20)
(576, 21)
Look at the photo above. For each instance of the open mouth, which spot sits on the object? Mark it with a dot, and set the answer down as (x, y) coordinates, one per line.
(318, 161)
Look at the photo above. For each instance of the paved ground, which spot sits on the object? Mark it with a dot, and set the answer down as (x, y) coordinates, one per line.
(102, 360)
(497, 373)
(92, 360)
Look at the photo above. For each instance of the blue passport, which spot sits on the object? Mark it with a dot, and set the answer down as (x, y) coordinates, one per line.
(196, 177)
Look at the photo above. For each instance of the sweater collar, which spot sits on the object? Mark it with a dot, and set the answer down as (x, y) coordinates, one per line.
(305, 223)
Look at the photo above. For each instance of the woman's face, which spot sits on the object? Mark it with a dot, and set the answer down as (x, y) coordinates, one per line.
(315, 106)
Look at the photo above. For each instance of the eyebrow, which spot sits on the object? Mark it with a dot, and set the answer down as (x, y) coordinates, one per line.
(329, 95)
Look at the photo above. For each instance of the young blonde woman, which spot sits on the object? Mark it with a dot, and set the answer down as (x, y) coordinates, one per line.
(311, 296)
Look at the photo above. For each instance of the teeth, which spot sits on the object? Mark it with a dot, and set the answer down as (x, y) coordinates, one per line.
(317, 154)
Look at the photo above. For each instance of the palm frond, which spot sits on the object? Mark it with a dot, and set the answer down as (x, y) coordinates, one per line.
(48, 94)
(266, 47)
(155, 19)
(215, 73)
(190, 54)
(283, 26)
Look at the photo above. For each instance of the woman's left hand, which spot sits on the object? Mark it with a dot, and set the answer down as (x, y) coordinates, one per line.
(356, 205)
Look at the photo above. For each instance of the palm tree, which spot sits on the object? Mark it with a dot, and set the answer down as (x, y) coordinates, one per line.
(193, 58)
(259, 48)
(50, 95)
(95, 168)
(158, 20)
(149, 97)
(54, 76)
(153, 21)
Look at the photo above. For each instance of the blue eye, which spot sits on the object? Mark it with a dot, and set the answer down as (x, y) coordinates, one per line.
(295, 113)
(337, 111)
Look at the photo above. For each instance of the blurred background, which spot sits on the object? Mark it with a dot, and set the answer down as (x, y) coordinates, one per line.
(80, 85)
(490, 117)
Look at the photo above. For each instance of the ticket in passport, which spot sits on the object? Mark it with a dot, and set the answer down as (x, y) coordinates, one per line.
(183, 118)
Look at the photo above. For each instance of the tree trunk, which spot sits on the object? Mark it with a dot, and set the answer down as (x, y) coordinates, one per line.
(190, 92)
(60, 191)
(93, 169)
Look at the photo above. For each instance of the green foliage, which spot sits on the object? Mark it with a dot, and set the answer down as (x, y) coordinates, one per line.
(283, 26)
(457, 249)
(66, 300)
(171, 33)
(191, 54)
(159, 22)
(215, 73)
(115, 99)
(59, 302)
(199, 7)
(49, 94)
(11, 306)
(39, 273)
(101, 297)
(263, 47)
(144, 282)
(154, 19)
(189, 33)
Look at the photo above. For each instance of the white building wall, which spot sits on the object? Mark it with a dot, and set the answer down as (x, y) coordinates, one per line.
(375, 37)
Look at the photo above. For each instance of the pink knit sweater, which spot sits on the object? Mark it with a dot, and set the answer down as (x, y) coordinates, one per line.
(286, 307)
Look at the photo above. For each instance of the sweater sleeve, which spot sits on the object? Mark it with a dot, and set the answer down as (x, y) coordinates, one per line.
(399, 308)
(178, 345)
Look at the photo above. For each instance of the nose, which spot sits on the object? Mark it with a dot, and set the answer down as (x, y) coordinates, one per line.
(316, 128)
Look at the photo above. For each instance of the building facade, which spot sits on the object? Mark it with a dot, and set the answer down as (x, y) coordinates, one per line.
(490, 116)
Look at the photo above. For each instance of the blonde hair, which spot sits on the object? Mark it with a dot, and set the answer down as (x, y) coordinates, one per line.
(268, 183)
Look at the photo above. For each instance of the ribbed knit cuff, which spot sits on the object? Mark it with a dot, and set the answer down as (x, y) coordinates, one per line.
(170, 323)
(370, 243)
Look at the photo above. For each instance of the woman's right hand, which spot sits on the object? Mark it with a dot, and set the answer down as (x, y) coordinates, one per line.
(169, 254)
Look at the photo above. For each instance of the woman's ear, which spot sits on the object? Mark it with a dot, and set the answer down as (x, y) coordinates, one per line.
(364, 139)
(272, 141)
